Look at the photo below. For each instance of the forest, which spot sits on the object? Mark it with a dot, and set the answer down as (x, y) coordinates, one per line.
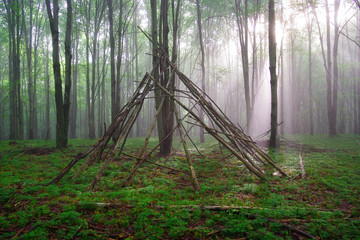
(180, 119)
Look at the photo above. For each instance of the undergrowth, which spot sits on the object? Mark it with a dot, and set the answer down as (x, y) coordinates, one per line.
(161, 203)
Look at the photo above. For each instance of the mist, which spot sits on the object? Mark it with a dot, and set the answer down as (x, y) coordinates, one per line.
(236, 67)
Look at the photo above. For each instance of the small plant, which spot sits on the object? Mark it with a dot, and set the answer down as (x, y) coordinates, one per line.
(249, 188)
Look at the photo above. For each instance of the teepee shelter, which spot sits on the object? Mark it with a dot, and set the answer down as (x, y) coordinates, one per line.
(221, 128)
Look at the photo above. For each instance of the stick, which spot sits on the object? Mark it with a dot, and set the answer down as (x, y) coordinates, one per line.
(159, 165)
(188, 159)
(303, 173)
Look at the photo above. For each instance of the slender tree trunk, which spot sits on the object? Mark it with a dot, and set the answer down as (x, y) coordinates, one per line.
(2, 120)
(99, 9)
(282, 78)
(311, 115)
(335, 84)
(242, 24)
(88, 103)
(112, 61)
(62, 106)
(358, 82)
(167, 110)
(98, 91)
(120, 38)
(255, 77)
(13, 19)
(74, 104)
(139, 124)
(29, 44)
(102, 121)
(93, 83)
(38, 33)
(332, 127)
(202, 63)
(273, 77)
(294, 85)
(68, 57)
(155, 61)
(47, 94)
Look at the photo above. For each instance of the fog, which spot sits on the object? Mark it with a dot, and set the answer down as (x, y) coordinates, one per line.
(333, 98)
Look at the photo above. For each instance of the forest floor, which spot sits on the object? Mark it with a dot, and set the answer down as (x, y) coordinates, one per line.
(161, 203)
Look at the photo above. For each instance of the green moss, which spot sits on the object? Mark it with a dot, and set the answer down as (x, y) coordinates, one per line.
(333, 183)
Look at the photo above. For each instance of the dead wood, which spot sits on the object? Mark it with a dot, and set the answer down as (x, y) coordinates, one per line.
(187, 153)
(157, 164)
(303, 173)
(220, 127)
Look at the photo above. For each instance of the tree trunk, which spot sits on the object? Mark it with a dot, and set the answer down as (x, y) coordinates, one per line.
(335, 84)
(99, 9)
(2, 120)
(311, 115)
(88, 103)
(294, 85)
(16, 117)
(62, 106)
(202, 63)
(358, 82)
(68, 57)
(93, 76)
(102, 118)
(112, 61)
(29, 44)
(47, 94)
(74, 104)
(331, 124)
(37, 40)
(167, 109)
(273, 77)
(282, 78)
(165, 121)
(242, 24)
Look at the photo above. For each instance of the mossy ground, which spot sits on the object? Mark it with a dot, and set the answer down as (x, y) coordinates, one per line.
(325, 204)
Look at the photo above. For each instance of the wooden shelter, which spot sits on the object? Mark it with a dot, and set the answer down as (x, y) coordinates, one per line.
(229, 135)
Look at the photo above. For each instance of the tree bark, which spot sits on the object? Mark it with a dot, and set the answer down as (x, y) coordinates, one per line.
(112, 61)
(47, 94)
(165, 121)
(242, 24)
(29, 57)
(62, 106)
(99, 10)
(335, 84)
(16, 114)
(202, 63)
(74, 104)
(358, 82)
(282, 78)
(88, 103)
(329, 100)
(273, 78)
(311, 112)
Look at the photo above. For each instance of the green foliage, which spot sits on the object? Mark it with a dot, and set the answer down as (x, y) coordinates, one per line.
(38, 233)
(5, 194)
(332, 183)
